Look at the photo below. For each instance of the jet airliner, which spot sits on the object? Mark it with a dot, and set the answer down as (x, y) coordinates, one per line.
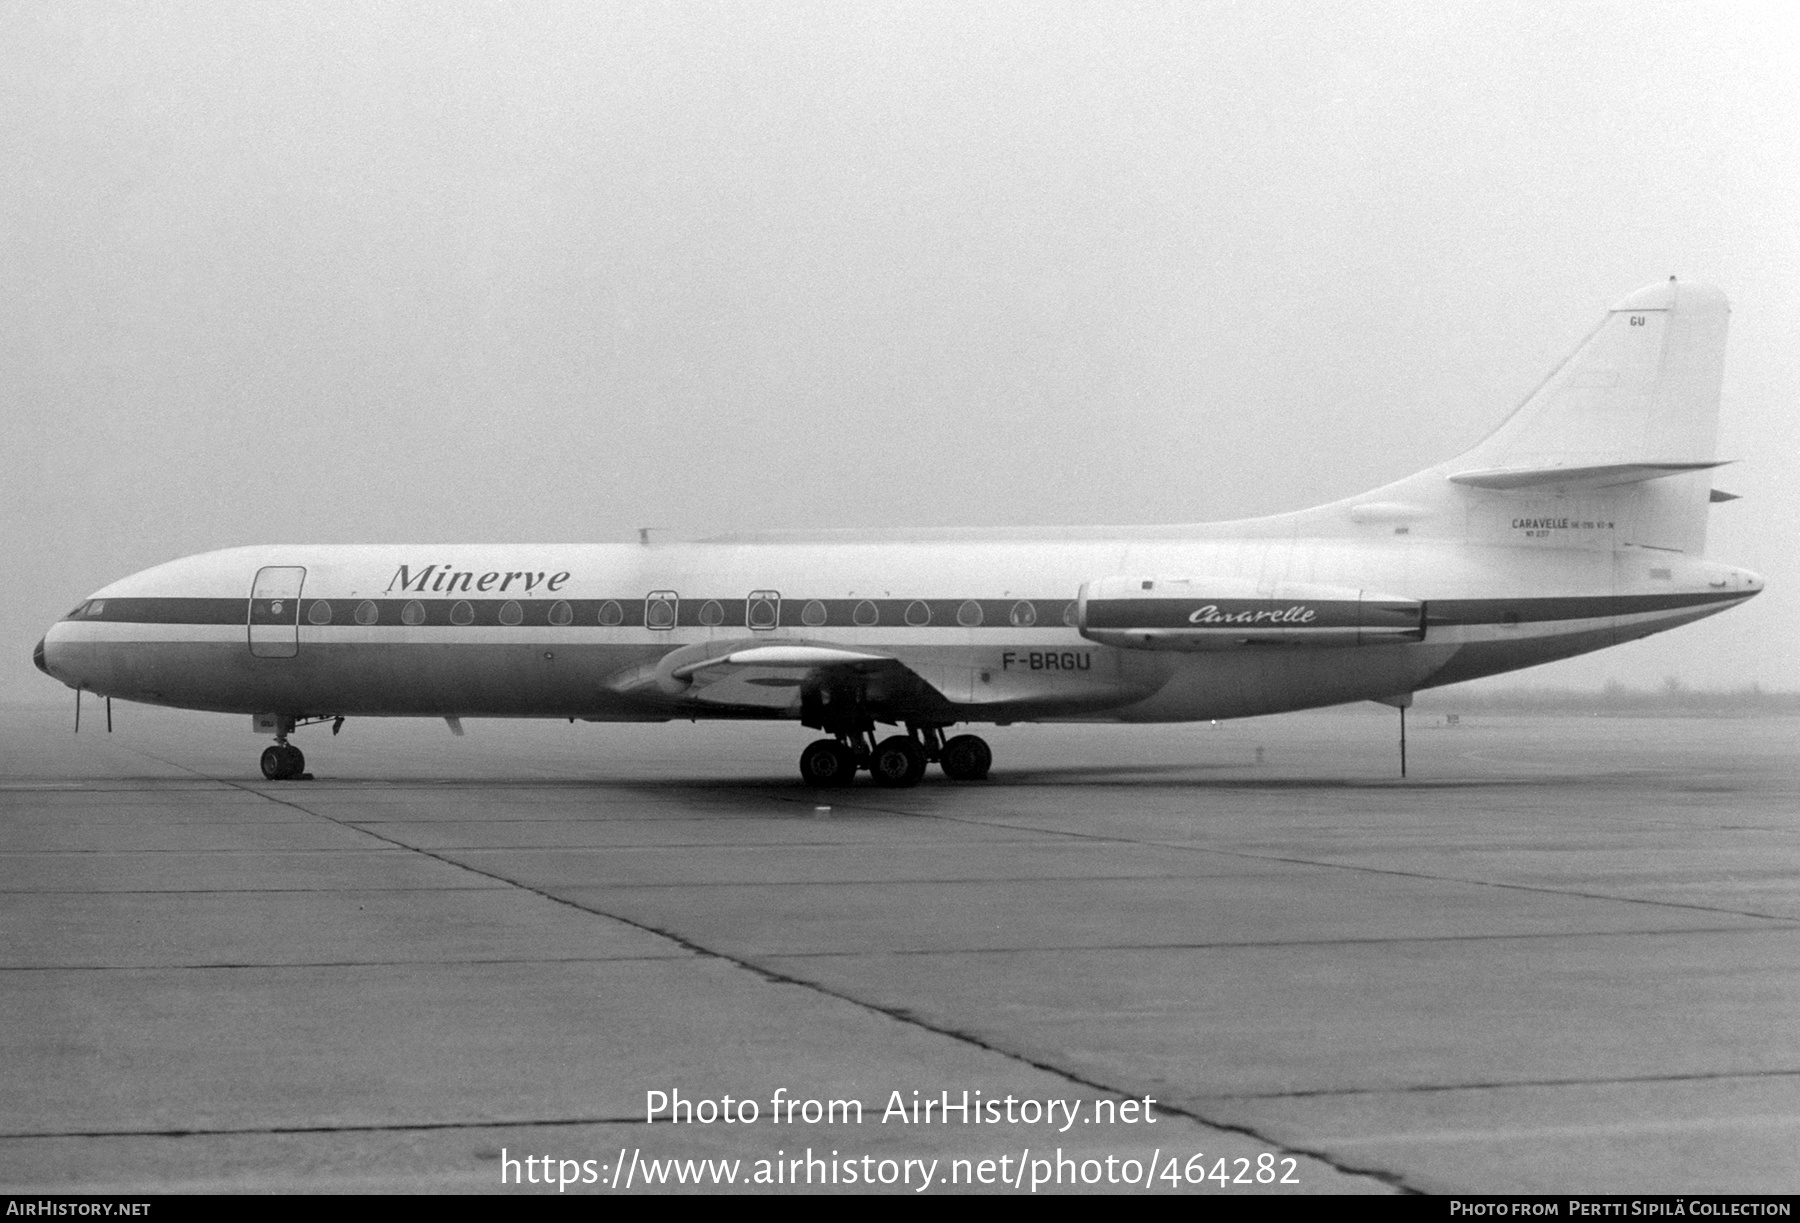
(1578, 524)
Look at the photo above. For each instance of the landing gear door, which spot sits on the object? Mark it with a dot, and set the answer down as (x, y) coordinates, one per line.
(275, 611)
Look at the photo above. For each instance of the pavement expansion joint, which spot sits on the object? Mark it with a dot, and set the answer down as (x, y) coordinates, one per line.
(197, 853)
(396, 1127)
(883, 881)
(288, 965)
(358, 890)
(1705, 1076)
(1364, 868)
(1264, 944)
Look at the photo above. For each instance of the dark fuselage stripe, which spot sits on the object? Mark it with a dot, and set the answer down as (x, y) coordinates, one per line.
(789, 613)
(588, 613)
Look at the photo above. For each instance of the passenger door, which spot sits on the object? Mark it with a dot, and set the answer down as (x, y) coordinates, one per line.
(275, 611)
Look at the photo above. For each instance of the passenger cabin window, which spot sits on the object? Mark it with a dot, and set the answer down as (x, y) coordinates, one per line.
(1071, 612)
(918, 613)
(764, 609)
(367, 613)
(711, 613)
(659, 609)
(611, 613)
(813, 614)
(413, 612)
(561, 613)
(319, 612)
(969, 614)
(511, 612)
(1024, 615)
(462, 613)
(866, 614)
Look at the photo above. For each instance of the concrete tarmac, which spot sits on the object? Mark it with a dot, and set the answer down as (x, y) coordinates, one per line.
(1563, 956)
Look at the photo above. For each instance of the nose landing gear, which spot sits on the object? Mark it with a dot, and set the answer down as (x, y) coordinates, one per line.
(283, 762)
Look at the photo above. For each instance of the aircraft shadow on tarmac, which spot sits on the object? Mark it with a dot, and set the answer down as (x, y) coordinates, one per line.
(1157, 776)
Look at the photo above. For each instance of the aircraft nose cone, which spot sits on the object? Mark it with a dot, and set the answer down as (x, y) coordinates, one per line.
(37, 656)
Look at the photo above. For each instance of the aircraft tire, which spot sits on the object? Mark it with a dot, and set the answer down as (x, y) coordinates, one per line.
(897, 763)
(827, 764)
(966, 758)
(274, 763)
(296, 761)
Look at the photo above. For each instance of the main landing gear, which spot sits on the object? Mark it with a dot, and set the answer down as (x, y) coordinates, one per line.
(896, 762)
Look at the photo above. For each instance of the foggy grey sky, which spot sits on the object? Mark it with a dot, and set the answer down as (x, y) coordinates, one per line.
(378, 272)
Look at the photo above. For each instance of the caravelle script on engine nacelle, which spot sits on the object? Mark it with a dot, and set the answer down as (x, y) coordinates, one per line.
(1210, 614)
(448, 580)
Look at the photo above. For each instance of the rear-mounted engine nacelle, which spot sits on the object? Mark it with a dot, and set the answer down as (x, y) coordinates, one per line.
(1140, 613)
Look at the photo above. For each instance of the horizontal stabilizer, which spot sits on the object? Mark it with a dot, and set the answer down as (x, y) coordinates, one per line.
(1604, 475)
(1719, 494)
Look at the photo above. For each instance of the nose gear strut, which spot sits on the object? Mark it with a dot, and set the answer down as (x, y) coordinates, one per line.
(283, 761)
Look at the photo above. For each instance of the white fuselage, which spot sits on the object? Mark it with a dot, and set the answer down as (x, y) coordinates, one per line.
(991, 629)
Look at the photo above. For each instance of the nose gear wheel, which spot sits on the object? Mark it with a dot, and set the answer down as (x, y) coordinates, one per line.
(282, 762)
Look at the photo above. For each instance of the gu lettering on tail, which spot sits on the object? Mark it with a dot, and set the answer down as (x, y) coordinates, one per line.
(1578, 524)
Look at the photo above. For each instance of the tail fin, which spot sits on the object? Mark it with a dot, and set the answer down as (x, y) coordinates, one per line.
(1642, 388)
(1634, 411)
(1623, 431)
